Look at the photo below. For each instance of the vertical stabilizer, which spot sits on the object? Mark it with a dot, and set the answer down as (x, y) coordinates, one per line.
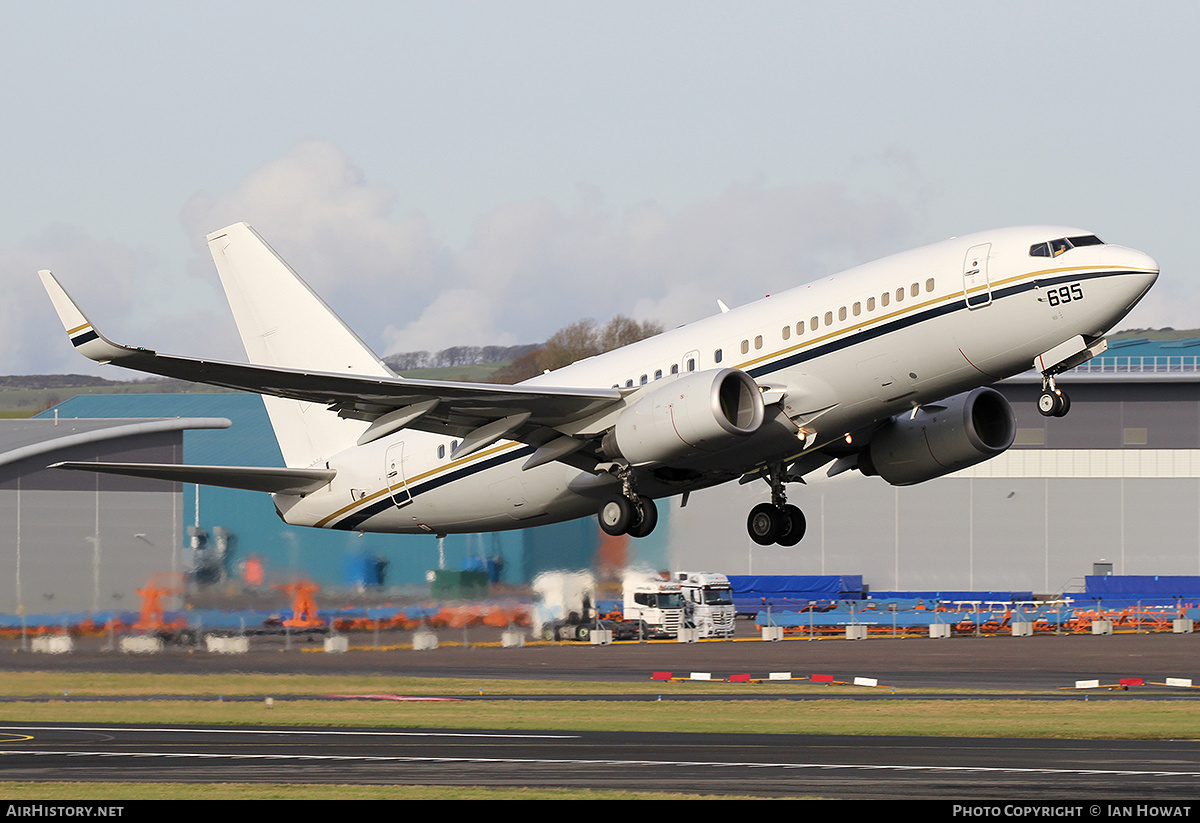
(283, 323)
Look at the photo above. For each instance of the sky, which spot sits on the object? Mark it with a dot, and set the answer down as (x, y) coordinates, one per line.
(473, 173)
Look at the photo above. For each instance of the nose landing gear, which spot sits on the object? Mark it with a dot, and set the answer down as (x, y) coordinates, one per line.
(1053, 401)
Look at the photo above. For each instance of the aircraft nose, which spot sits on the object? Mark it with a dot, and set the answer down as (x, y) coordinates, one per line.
(1140, 270)
(1137, 262)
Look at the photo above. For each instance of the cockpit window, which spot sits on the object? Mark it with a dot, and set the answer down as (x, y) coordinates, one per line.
(1053, 248)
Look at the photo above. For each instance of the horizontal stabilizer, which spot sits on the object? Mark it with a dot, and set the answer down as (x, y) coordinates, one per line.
(250, 478)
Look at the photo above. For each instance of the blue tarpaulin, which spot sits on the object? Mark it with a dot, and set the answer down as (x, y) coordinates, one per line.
(792, 591)
(1153, 585)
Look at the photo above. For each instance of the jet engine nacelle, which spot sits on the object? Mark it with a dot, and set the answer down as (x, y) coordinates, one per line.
(691, 415)
(943, 437)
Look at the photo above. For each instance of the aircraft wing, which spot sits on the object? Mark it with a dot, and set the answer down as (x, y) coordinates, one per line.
(481, 412)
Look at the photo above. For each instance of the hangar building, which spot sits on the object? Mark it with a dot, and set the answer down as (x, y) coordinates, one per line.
(242, 525)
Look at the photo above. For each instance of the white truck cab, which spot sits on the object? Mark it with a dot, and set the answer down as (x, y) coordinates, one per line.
(708, 600)
(655, 601)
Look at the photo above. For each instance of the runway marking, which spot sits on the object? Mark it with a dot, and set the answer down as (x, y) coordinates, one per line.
(399, 697)
(606, 762)
(115, 730)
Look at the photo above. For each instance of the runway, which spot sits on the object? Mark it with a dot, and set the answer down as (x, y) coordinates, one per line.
(759, 765)
(741, 764)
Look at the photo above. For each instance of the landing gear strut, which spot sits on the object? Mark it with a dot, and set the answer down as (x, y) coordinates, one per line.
(776, 522)
(628, 512)
(1053, 401)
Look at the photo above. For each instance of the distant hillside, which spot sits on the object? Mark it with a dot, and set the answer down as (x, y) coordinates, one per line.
(456, 356)
(24, 395)
(1166, 333)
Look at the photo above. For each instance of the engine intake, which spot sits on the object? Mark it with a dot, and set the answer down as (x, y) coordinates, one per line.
(694, 414)
(959, 432)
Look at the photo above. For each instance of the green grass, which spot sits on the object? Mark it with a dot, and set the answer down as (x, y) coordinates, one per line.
(1087, 715)
(1091, 718)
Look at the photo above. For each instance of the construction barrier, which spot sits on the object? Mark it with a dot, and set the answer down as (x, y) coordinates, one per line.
(856, 619)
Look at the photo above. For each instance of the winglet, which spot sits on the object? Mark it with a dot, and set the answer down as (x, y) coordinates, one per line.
(84, 336)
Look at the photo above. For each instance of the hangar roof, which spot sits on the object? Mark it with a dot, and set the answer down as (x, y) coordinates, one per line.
(22, 439)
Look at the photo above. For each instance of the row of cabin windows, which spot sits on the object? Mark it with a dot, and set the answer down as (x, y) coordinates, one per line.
(814, 323)
(690, 365)
(854, 310)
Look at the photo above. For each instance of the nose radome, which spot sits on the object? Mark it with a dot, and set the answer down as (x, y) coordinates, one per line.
(1132, 259)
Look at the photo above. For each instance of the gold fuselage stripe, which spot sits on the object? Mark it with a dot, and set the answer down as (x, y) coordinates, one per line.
(778, 353)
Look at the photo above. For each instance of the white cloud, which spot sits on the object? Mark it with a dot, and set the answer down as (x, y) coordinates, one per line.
(527, 269)
(458, 317)
(120, 287)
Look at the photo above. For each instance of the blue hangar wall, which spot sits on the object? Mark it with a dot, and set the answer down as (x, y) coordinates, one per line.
(334, 558)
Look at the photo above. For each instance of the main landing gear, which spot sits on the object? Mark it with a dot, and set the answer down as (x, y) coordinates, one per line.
(628, 512)
(777, 522)
(1053, 401)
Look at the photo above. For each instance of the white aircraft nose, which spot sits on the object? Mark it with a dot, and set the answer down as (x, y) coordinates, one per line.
(1132, 259)
(1140, 269)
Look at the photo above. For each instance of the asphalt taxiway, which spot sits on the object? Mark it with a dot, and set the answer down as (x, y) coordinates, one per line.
(764, 765)
(718, 763)
(1027, 663)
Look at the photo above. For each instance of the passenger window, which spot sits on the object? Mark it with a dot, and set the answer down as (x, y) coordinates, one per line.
(842, 313)
(692, 364)
(899, 294)
(629, 384)
(441, 451)
(643, 380)
(658, 374)
(914, 289)
(786, 331)
(870, 304)
(929, 285)
(674, 368)
(758, 341)
(857, 308)
(814, 324)
(884, 298)
(828, 318)
(800, 328)
(718, 355)
(745, 346)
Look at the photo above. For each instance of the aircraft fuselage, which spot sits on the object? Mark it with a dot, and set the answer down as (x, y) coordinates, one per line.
(833, 358)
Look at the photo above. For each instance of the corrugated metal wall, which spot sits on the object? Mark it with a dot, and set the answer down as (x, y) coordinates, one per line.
(1073, 492)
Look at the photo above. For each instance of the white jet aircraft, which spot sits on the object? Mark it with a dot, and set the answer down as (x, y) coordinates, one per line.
(883, 368)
